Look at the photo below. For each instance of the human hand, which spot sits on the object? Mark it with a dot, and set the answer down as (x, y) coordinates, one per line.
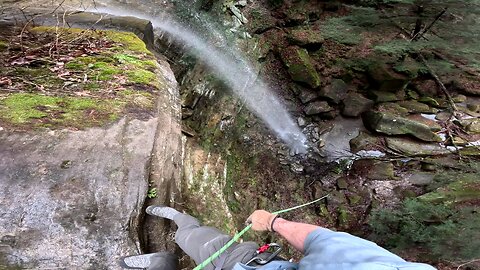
(261, 220)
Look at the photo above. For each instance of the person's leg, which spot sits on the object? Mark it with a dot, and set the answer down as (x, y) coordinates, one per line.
(198, 242)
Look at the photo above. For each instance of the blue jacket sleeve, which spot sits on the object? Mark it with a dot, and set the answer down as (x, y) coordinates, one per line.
(337, 249)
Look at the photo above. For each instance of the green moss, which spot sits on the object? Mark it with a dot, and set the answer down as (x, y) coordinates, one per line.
(136, 61)
(24, 108)
(129, 40)
(3, 45)
(143, 77)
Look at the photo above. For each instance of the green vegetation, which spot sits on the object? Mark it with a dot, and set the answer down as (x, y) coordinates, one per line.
(22, 108)
(80, 91)
(445, 232)
(3, 45)
(152, 193)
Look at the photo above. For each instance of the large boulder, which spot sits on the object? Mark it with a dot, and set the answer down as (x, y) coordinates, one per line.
(305, 38)
(355, 104)
(414, 106)
(364, 141)
(396, 125)
(410, 147)
(336, 91)
(385, 78)
(373, 169)
(463, 188)
(300, 66)
(317, 107)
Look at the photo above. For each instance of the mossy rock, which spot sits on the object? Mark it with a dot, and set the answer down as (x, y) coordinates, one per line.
(90, 89)
(463, 188)
(306, 38)
(385, 78)
(300, 66)
(396, 125)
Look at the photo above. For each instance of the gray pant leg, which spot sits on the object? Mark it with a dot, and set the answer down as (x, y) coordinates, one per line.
(163, 261)
(198, 242)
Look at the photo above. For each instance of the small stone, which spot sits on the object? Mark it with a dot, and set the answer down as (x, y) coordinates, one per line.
(241, 3)
(429, 167)
(471, 125)
(317, 107)
(443, 116)
(301, 122)
(355, 104)
(474, 107)
(459, 141)
(336, 91)
(66, 164)
(296, 168)
(321, 143)
(459, 98)
(342, 183)
(354, 199)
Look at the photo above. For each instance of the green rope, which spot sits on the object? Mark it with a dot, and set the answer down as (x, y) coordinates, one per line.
(238, 235)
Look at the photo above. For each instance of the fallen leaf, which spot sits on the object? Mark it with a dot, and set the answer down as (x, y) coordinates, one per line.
(5, 81)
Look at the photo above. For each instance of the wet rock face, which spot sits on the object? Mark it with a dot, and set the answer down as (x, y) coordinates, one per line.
(336, 91)
(396, 125)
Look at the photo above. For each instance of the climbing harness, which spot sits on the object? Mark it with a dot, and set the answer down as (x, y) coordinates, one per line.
(260, 261)
(238, 235)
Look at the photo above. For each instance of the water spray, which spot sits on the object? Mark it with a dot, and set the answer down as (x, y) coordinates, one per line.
(232, 68)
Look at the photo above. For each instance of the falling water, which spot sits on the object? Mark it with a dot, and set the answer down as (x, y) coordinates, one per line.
(237, 73)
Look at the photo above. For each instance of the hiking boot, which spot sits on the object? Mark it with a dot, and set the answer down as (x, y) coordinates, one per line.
(160, 260)
(162, 211)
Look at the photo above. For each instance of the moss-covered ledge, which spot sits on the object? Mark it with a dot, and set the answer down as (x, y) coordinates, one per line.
(66, 77)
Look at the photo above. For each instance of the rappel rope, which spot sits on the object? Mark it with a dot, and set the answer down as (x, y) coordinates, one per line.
(238, 235)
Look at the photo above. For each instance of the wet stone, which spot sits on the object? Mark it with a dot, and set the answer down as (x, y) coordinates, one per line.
(342, 183)
(336, 91)
(396, 125)
(355, 104)
(410, 147)
(364, 141)
(296, 168)
(317, 107)
(414, 106)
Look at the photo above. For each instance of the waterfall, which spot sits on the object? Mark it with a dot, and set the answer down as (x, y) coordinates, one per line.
(236, 72)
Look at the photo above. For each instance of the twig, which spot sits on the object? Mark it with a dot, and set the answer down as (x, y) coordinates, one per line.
(439, 82)
(469, 262)
(420, 34)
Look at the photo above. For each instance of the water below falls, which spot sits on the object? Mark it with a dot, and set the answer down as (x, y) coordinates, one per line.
(231, 67)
